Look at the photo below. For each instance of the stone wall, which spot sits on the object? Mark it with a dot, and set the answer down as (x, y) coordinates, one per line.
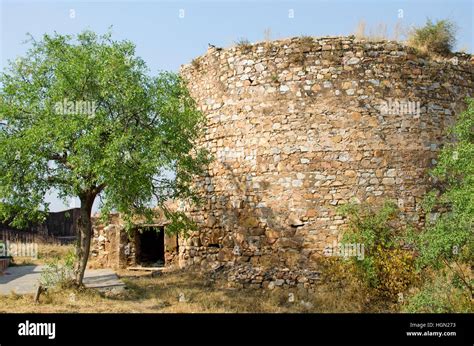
(300, 126)
(112, 246)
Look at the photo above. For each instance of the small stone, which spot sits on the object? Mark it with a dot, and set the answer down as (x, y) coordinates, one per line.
(350, 173)
(375, 82)
(353, 61)
(346, 85)
(279, 282)
(327, 84)
(355, 116)
(297, 183)
(259, 67)
(307, 305)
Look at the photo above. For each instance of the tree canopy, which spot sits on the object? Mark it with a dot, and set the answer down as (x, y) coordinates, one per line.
(83, 117)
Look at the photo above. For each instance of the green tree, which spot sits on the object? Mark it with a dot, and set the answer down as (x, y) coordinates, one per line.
(82, 116)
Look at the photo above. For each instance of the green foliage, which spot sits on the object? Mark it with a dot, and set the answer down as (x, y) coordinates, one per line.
(446, 243)
(19, 217)
(83, 117)
(450, 236)
(440, 294)
(58, 272)
(368, 225)
(438, 37)
(385, 267)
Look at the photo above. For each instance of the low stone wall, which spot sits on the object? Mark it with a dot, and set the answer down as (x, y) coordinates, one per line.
(245, 275)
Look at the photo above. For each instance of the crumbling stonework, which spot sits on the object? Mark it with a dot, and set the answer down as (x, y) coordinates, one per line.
(113, 246)
(300, 126)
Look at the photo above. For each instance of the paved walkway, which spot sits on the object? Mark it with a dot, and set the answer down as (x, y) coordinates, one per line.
(25, 279)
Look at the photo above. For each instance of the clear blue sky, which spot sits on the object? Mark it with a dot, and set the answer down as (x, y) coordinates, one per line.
(165, 41)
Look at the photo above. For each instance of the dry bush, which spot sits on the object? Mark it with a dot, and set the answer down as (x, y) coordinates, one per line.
(438, 37)
(360, 29)
(267, 34)
(380, 32)
(400, 32)
(196, 63)
(243, 44)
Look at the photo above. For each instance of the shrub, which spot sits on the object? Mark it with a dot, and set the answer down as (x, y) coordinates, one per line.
(386, 267)
(395, 268)
(244, 44)
(447, 243)
(196, 63)
(58, 272)
(450, 238)
(305, 39)
(436, 37)
(440, 294)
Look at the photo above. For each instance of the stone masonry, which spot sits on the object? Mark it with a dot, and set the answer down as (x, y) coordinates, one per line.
(298, 127)
(302, 125)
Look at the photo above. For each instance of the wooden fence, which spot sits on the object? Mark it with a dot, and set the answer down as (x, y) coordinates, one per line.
(16, 236)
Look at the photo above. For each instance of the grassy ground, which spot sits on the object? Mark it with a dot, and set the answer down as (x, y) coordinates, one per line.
(46, 253)
(180, 292)
(187, 292)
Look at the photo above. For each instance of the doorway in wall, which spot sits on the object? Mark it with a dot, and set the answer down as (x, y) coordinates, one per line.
(150, 246)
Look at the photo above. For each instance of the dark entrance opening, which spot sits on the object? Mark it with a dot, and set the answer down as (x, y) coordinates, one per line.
(150, 246)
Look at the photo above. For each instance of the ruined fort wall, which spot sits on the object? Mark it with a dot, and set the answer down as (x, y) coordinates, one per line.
(300, 126)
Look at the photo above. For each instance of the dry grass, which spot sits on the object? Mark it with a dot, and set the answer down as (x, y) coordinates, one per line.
(244, 45)
(339, 291)
(162, 294)
(380, 32)
(46, 253)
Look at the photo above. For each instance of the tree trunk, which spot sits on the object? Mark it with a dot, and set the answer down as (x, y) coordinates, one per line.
(84, 237)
